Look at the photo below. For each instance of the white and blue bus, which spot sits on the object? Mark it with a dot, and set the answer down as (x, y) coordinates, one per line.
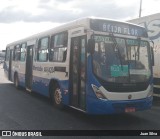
(95, 65)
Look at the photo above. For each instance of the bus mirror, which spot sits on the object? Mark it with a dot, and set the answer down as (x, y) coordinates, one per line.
(91, 46)
(152, 42)
(152, 56)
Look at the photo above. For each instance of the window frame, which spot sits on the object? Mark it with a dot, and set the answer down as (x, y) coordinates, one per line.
(52, 46)
(7, 54)
(38, 48)
(23, 52)
(15, 57)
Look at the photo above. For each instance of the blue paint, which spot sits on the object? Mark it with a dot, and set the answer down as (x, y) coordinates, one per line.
(100, 106)
(40, 85)
(65, 91)
(96, 106)
(21, 78)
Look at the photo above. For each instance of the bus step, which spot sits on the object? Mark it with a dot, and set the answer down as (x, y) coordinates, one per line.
(156, 95)
(156, 86)
(29, 90)
(77, 109)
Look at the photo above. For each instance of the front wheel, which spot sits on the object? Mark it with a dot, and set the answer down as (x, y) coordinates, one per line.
(57, 97)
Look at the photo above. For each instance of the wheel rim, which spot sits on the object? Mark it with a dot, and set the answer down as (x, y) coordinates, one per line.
(57, 96)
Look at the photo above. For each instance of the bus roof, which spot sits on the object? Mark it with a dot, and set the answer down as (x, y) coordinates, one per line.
(85, 21)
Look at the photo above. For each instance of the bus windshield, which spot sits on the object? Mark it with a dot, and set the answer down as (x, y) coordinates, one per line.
(121, 60)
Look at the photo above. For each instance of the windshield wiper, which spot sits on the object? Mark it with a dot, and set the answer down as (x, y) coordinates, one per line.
(116, 48)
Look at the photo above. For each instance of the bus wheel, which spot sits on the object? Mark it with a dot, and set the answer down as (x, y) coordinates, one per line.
(16, 82)
(57, 97)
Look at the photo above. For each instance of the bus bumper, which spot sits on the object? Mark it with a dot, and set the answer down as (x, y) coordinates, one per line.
(99, 106)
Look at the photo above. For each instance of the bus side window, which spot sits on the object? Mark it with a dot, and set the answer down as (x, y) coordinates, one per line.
(7, 56)
(16, 56)
(23, 52)
(58, 48)
(42, 53)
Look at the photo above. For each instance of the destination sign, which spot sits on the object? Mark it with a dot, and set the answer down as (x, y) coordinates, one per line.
(118, 28)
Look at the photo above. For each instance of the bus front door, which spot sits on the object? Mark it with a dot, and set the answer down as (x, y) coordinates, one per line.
(78, 72)
(29, 63)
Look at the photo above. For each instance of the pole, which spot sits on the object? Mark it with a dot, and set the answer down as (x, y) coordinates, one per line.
(140, 9)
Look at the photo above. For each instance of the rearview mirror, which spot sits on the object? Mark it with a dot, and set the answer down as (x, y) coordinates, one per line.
(91, 46)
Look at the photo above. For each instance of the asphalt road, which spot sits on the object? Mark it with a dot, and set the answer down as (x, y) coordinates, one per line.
(21, 110)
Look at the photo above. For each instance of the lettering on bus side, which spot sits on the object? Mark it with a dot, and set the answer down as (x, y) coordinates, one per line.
(44, 69)
(49, 69)
(37, 68)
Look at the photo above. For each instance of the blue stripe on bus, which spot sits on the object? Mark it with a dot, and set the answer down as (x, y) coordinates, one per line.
(41, 85)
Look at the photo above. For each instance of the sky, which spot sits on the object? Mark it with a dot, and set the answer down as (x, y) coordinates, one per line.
(22, 18)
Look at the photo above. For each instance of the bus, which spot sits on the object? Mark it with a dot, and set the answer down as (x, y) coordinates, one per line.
(95, 65)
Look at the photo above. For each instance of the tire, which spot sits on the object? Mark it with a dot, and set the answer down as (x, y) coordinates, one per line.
(57, 97)
(16, 81)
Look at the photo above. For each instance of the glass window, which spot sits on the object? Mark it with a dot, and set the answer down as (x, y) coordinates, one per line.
(121, 60)
(43, 49)
(23, 52)
(17, 53)
(58, 48)
(7, 54)
(44, 43)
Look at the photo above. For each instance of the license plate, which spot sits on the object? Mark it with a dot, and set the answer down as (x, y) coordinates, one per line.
(130, 109)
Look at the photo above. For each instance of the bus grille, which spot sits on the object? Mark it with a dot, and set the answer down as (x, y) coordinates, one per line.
(120, 87)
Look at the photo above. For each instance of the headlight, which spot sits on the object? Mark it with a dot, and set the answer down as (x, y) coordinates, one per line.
(98, 92)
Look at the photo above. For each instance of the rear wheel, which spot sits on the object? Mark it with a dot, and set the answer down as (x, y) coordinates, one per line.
(16, 81)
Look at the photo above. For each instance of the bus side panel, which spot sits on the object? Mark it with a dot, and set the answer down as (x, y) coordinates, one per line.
(21, 79)
(19, 68)
(41, 85)
(12, 73)
(65, 91)
(44, 73)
